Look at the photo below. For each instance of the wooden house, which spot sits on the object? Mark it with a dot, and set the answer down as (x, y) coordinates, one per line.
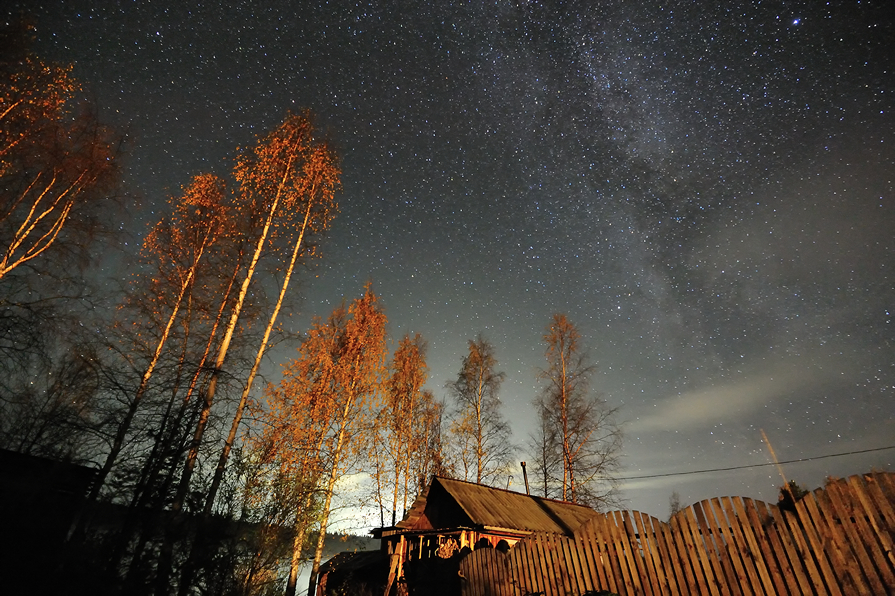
(452, 518)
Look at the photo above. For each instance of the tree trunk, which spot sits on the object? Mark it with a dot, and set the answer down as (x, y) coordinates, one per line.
(337, 455)
(237, 417)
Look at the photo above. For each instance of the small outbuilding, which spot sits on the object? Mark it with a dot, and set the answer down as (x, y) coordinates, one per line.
(451, 518)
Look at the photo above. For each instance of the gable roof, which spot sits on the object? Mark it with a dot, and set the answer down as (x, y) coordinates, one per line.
(455, 502)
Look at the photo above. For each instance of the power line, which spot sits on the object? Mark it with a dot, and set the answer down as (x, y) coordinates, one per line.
(791, 461)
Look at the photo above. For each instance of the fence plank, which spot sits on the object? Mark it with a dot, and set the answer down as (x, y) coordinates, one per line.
(626, 560)
(543, 557)
(673, 573)
(878, 541)
(590, 551)
(647, 545)
(741, 549)
(768, 555)
(611, 561)
(559, 564)
(683, 552)
(787, 559)
(837, 528)
(844, 566)
(741, 578)
(577, 565)
(882, 506)
(856, 531)
(635, 555)
(519, 569)
(702, 533)
(609, 557)
(613, 556)
(816, 545)
(533, 561)
(721, 535)
(701, 567)
(741, 505)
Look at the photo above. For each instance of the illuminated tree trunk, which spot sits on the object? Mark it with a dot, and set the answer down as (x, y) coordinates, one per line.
(198, 213)
(273, 166)
(358, 376)
(237, 418)
(174, 442)
(164, 568)
(328, 497)
(124, 425)
(218, 365)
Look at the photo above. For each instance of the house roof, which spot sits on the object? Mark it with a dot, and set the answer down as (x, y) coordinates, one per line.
(476, 505)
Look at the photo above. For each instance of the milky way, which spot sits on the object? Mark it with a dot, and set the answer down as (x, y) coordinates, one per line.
(706, 192)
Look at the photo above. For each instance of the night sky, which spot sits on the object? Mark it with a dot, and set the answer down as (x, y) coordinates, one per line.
(708, 192)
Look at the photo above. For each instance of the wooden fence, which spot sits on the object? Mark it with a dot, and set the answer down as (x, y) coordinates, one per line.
(839, 540)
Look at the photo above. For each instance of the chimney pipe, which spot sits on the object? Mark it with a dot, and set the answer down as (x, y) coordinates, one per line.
(525, 476)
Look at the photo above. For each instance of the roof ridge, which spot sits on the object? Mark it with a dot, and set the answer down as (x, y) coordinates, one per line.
(496, 488)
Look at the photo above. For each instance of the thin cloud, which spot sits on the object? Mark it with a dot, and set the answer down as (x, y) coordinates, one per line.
(727, 403)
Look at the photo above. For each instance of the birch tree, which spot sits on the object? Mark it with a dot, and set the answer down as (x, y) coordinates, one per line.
(57, 176)
(358, 366)
(428, 453)
(396, 433)
(578, 427)
(176, 247)
(296, 421)
(479, 433)
(286, 173)
(312, 198)
(54, 169)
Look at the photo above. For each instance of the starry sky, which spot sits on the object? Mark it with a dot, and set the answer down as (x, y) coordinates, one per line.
(705, 189)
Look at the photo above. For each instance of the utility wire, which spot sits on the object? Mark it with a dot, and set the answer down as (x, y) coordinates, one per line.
(791, 461)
